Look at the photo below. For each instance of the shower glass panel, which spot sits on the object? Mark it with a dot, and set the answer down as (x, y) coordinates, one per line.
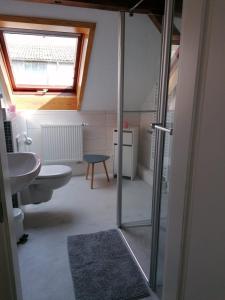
(171, 101)
(141, 82)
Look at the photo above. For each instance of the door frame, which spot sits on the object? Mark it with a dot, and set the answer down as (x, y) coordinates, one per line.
(10, 283)
(192, 37)
(160, 138)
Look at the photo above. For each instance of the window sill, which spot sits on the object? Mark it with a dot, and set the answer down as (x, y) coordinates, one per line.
(53, 101)
(41, 94)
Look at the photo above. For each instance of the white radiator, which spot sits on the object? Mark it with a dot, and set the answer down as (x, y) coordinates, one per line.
(62, 142)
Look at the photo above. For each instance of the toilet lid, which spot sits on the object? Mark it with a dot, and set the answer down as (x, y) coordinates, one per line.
(54, 171)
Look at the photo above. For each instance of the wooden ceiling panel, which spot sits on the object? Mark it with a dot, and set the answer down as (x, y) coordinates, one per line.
(148, 6)
(155, 7)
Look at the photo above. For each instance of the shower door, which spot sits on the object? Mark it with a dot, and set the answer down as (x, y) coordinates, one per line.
(164, 139)
(142, 56)
(147, 89)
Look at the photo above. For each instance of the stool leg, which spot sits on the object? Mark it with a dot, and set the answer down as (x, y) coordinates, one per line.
(88, 166)
(106, 172)
(92, 174)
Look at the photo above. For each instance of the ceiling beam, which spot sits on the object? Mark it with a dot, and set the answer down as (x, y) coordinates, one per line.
(157, 21)
(149, 7)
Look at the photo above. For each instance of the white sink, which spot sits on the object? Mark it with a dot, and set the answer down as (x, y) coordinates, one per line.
(23, 168)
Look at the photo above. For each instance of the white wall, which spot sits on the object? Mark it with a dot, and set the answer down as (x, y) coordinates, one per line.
(205, 254)
(142, 52)
(141, 72)
(142, 62)
(10, 285)
(196, 223)
(101, 87)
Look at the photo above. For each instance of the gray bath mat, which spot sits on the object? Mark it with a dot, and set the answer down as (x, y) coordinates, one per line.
(103, 269)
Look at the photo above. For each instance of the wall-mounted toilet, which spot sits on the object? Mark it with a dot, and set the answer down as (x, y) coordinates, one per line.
(51, 177)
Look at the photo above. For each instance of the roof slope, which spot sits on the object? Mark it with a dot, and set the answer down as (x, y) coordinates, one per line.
(43, 53)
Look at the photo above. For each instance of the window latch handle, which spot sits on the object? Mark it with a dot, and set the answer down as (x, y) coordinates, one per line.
(42, 92)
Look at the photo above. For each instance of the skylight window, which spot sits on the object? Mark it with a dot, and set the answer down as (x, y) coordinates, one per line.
(42, 61)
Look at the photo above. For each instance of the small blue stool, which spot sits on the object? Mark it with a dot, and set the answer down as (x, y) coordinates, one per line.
(93, 159)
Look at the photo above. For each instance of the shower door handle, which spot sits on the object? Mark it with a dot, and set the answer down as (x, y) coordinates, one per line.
(160, 127)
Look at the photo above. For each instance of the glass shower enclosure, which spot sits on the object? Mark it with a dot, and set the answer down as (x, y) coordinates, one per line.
(148, 66)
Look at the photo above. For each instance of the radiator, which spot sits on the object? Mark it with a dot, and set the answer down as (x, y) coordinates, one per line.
(62, 142)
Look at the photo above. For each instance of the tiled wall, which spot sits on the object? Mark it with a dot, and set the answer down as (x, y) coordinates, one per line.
(97, 134)
(146, 145)
(145, 142)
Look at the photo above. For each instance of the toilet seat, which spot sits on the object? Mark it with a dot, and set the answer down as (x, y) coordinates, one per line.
(51, 177)
(53, 171)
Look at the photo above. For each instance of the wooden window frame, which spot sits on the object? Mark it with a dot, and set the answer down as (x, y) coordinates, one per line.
(38, 88)
(27, 97)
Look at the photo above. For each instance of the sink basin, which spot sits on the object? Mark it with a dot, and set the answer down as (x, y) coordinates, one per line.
(23, 168)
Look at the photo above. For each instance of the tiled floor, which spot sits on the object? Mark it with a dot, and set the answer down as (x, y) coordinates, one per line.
(74, 209)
